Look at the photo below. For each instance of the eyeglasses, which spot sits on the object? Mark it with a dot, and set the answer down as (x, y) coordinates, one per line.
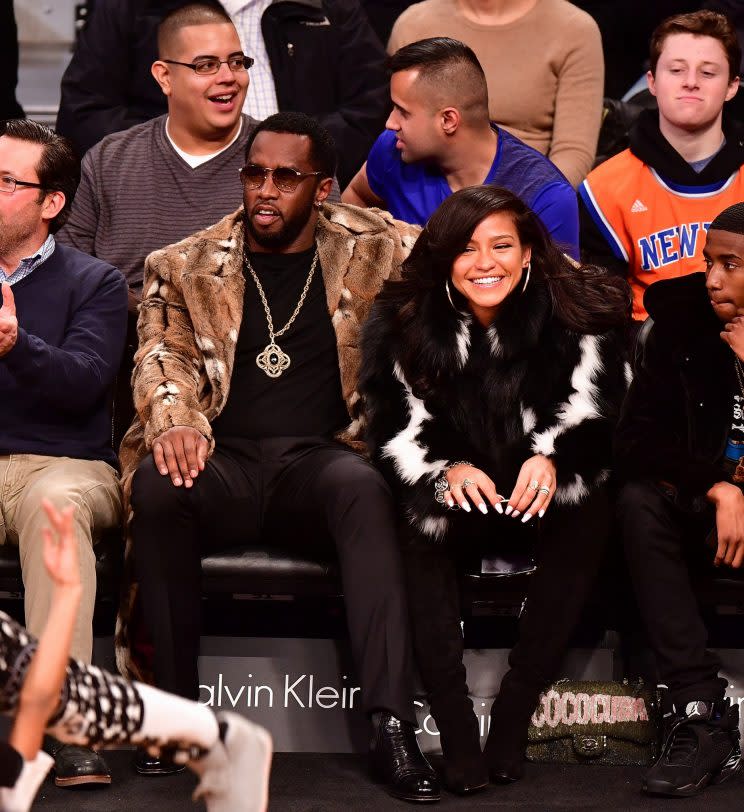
(285, 179)
(211, 65)
(8, 184)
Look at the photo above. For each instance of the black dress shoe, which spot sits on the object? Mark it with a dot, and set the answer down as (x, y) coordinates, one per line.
(75, 766)
(398, 762)
(145, 764)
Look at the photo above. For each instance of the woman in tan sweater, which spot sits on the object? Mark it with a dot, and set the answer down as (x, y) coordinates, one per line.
(544, 66)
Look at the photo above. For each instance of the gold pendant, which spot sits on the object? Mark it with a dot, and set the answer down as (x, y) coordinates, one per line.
(273, 361)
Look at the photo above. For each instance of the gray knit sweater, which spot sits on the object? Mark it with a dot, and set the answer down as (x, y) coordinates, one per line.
(137, 194)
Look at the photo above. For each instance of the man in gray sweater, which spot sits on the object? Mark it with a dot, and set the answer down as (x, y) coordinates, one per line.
(155, 183)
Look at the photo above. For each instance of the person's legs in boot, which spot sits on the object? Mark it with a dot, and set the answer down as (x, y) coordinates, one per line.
(330, 486)
(96, 708)
(434, 602)
(571, 545)
(661, 541)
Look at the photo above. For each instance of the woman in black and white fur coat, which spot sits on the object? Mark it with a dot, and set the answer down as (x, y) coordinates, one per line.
(493, 375)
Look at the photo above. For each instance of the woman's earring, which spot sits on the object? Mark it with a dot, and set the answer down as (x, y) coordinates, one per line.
(526, 276)
(449, 295)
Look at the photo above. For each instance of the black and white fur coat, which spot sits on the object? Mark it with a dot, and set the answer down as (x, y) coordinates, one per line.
(526, 385)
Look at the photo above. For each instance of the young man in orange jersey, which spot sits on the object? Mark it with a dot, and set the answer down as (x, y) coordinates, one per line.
(645, 212)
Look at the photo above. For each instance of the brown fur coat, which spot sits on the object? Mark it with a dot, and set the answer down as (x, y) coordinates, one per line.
(188, 328)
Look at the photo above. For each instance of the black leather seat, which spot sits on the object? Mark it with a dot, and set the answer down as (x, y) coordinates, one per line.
(109, 560)
(257, 570)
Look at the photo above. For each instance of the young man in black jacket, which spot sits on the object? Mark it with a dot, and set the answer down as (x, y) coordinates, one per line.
(680, 449)
(324, 58)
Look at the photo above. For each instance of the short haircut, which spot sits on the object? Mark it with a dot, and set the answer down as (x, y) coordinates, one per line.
(58, 168)
(322, 147)
(701, 24)
(451, 72)
(202, 13)
(730, 219)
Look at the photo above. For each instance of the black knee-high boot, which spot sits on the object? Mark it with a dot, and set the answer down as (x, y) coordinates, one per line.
(437, 637)
(570, 549)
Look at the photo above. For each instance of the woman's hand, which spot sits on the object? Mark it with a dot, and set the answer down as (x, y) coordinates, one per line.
(60, 546)
(534, 489)
(468, 481)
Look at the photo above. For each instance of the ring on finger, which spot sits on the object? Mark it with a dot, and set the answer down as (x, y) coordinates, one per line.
(544, 489)
(466, 483)
(533, 486)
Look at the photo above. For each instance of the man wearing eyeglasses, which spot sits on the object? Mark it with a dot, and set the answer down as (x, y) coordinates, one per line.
(157, 182)
(248, 417)
(62, 329)
(321, 57)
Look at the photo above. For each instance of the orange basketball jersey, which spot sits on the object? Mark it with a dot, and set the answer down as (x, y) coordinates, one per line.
(656, 226)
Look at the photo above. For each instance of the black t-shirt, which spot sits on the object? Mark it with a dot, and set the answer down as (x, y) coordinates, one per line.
(305, 400)
(735, 444)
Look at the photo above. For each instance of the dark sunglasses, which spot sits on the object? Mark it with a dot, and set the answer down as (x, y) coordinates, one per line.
(285, 179)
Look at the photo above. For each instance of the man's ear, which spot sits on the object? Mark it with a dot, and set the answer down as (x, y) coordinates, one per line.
(651, 82)
(52, 205)
(323, 190)
(733, 88)
(449, 120)
(161, 74)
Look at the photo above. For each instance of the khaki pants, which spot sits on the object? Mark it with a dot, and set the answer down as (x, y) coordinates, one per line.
(91, 485)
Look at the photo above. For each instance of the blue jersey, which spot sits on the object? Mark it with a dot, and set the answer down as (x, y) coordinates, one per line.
(413, 191)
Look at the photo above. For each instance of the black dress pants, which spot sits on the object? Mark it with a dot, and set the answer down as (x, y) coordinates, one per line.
(306, 484)
(568, 552)
(664, 544)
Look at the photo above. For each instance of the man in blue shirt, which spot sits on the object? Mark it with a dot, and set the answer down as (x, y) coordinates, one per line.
(62, 330)
(439, 139)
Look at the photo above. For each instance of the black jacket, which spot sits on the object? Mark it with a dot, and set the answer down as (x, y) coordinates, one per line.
(649, 145)
(325, 58)
(525, 385)
(677, 415)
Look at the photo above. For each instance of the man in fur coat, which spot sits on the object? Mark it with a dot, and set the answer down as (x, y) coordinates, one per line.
(248, 417)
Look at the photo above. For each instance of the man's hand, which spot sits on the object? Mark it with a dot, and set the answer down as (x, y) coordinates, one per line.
(729, 504)
(8, 321)
(60, 546)
(182, 453)
(733, 335)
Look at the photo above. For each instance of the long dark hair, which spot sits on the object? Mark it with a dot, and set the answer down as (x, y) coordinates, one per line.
(585, 298)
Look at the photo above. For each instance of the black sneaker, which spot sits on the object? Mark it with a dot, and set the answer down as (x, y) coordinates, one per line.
(701, 748)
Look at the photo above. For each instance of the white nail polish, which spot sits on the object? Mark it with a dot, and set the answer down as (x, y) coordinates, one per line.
(515, 514)
(450, 503)
(499, 509)
(508, 509)
(526, 518)
(541, 513)
(466, 507)
(482, 507)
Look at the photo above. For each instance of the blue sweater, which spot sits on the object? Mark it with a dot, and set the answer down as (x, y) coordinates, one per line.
(56, 381)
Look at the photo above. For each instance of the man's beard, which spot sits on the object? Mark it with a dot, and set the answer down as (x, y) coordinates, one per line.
(288, 232)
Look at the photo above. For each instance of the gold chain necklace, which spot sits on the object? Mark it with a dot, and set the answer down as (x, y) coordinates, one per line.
(273, 360)
(739, 374)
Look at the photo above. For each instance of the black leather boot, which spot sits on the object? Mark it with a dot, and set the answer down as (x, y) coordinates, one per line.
(397, 761)
(75, 766)
(437, 636)
(507, 736)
